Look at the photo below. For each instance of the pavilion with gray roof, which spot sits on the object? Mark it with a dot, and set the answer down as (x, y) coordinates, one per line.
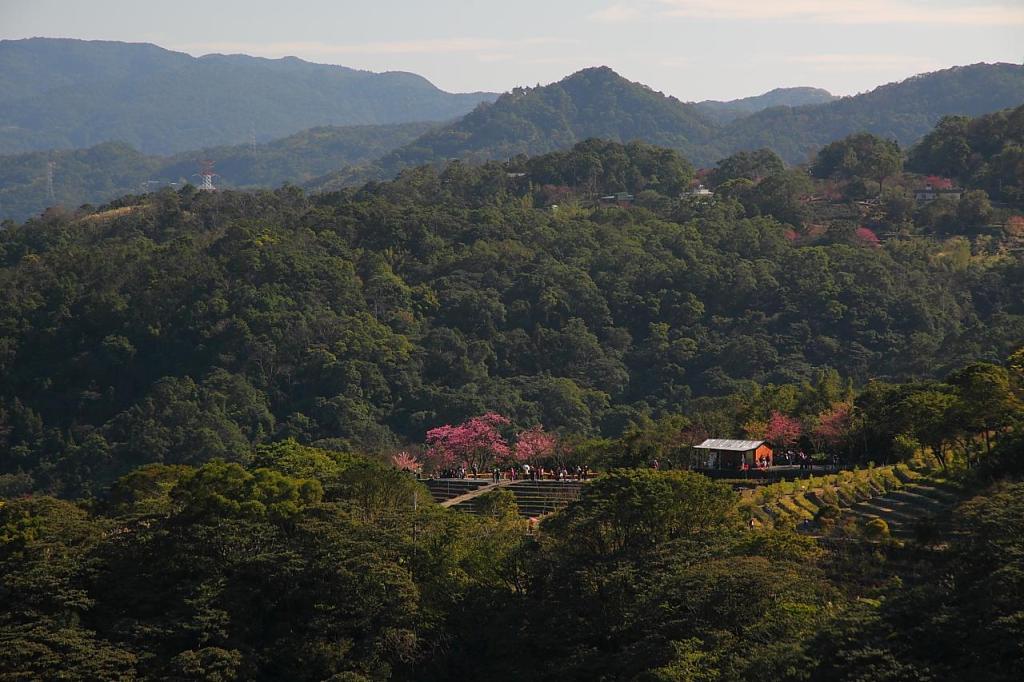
(723, 453)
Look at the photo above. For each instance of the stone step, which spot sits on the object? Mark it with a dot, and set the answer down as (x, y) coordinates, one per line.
(916, 501)
(895, 526)
(879, 508)
(942, 492)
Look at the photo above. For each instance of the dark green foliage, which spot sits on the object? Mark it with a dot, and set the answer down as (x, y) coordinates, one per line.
(986, 152)
(779, 195)
(599, 103)
(592, 103)
(963, 621)
(751, 166)
(650, 575)
(629, 512)
(903, 111)
(606, 167)
(59, 93)
(185, 326)
(858, 156)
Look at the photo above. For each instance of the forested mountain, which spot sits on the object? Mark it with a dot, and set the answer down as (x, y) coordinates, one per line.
(57, 93)
(903, 111)
(723, 112)
(106, 171)
(598, 102)
(986, 152)
(184, 326)
(592, 103)
(223, 414)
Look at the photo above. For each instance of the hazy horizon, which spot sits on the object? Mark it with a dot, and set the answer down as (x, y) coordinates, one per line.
(691, 49)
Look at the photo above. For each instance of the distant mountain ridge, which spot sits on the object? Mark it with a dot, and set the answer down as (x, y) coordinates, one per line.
(59, 93)
(904, 111)
(726, 111)
(597, 102)
(592, 103)
(106, 171)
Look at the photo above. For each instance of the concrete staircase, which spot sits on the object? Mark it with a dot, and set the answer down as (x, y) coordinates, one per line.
(444, 489)
(534, 498)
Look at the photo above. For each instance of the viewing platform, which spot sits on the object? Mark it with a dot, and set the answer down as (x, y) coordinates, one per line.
(533, 498)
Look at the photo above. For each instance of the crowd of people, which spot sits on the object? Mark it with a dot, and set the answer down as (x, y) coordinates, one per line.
(526, 471)
(804, 460)
(521, 472)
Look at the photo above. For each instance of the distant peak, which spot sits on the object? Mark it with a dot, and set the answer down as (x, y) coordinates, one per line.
(605, 72)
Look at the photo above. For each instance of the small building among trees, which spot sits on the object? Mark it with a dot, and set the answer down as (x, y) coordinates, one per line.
(721, 453)
(930, 193)
(620, 199)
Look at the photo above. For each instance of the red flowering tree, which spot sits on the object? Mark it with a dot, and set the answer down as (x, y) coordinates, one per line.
(867, 236)
(782, 431)
(475, 441)
(534, 445)
(938, 182)
(1014, 227)
(403, 461)
(834, 424)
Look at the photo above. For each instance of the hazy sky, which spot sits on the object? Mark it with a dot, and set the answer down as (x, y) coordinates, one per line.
(693, 49)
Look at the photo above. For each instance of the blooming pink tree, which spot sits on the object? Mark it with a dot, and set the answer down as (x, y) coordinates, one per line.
(939, 182)
(534, 445)
(834, 424)
(782, 431)
(1014, 227)
(403, 461)
(475, 441)
(867, 236)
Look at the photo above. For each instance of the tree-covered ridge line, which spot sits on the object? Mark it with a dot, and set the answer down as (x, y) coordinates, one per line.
(986, 152)
(903, 111)
(61, 94)
(102, 173)
(527, 121)
(597, 102)
(182, 326)
(591, 103)
(724, 112)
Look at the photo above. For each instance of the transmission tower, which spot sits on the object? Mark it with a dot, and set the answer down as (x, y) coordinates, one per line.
(252, 138)
(206, 175)
(50, 165)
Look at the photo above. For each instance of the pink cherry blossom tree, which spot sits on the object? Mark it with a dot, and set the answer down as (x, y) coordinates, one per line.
(867, 237)
(939, 182)
(834, 424)
(403, 461)
(781, 430)
(534, 445)
(475, 441)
